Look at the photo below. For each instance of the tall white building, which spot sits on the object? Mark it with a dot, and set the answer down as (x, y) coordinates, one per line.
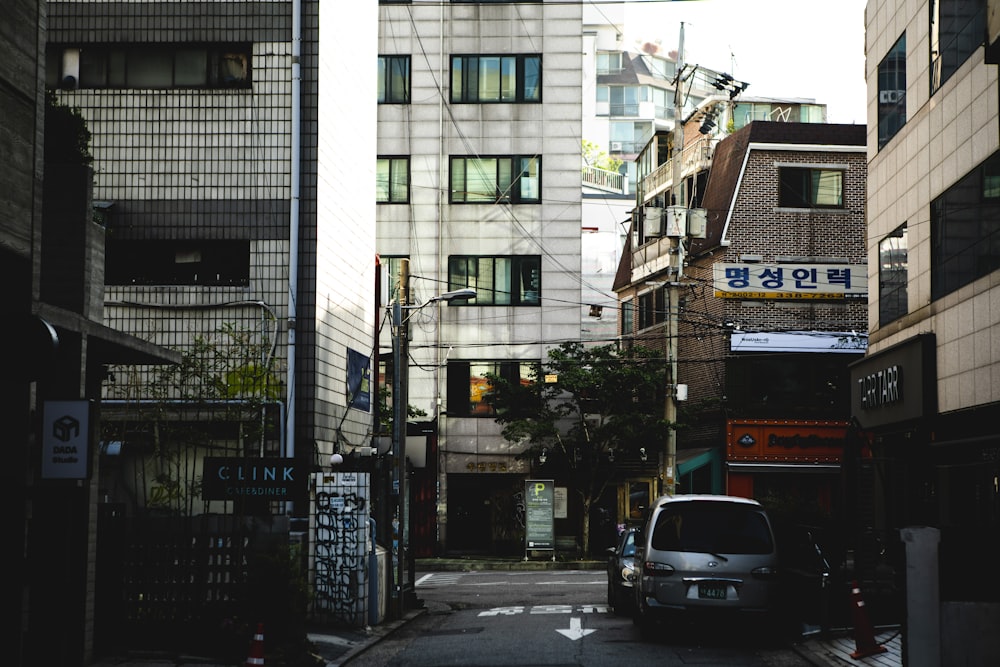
(479, 162)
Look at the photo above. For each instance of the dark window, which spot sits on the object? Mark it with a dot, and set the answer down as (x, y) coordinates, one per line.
(712, 527)
(146, 66)
(468, 388)
(803, 187)
(965, 229)
(807, 386)
(628, 317)
(892, 92)
(392, 180)
(486, 78)
(892, 276)
(394, 79)
(652, 308)
(958, 28)
(164, 262)
(490, 180)
(503, 280)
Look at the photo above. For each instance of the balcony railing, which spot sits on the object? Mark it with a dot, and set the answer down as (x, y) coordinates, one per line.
(604, 180)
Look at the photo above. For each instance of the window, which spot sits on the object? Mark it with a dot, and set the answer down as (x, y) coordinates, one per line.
(145, 66)
(392, 264)
(958, 28)
(652, 308)
(609, 63)
(496, 78)
(965, 229)
(164, 262)
(394, 79)
(892, 92)
(807, 187)
(500, 281)
(492, 180)
(625, 100)
(392, 180)
(892, 276)
(468, 388)
(628, 317)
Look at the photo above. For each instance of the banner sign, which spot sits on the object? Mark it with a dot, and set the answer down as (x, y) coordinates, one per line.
(65, 439)
(266, 479)
(790, 281)
(359, 376)
(785, 441)
(539, 505)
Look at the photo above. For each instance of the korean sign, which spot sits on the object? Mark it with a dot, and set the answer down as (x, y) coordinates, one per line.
(790, 281)
(539, 527)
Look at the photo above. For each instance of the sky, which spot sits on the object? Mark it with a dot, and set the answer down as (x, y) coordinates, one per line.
(783, 48)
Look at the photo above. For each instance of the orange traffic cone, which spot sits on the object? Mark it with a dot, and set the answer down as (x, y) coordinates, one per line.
(256, 657)
(864, 633)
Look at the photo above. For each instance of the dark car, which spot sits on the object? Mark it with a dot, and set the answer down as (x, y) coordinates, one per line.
(621, 573)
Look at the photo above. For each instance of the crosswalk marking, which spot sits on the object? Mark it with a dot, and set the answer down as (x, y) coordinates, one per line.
(438, 579)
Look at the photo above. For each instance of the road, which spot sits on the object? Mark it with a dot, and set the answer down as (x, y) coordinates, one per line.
(556, 619)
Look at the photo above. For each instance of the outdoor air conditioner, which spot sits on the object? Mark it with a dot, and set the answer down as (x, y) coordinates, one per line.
(653, 216)
(616, 146)
(889, 96)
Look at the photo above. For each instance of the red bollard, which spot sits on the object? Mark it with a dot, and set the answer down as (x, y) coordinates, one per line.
(256, 657)
(864, 633)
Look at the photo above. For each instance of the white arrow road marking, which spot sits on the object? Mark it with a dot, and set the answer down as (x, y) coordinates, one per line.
(575, 630)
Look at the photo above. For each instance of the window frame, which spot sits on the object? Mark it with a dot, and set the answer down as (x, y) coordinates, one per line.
(460, 399)
(518, 270)
(391, 161)
(177, 262)
(893, 276)
(507, 189)
(805, 194)
(470, 87)
(891, 84)
(388, 65)
(970, 34)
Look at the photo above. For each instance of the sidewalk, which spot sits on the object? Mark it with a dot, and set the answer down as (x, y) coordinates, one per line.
(338, 646)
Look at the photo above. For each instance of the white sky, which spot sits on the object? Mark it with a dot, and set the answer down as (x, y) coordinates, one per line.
(783, 48)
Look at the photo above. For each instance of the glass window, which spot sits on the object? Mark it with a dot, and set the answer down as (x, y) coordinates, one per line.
(485, 78)
(965, 229)
(502, 281)
(892, 276)
(469, 388)
(958, 28)
(515, 179)
(392, 180)
(609, 63)
(804, 187)
(392, 263)
(628, 317)
(162, 66)
(165, 262)
(394, 79)
(652, 308)
(892, 92)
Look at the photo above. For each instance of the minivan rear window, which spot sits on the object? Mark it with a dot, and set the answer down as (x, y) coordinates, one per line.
(712, 527)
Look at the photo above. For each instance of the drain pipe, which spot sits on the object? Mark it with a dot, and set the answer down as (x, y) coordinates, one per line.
(372, 578)
(293, 224)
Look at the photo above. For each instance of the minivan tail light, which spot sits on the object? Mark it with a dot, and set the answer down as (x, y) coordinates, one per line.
(764, 572)
(654, 569)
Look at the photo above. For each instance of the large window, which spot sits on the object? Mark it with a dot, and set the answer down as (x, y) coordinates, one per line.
(501, 281)
(957, 29)
(149, 66)
(490, 180)
(627, 317)
(469, 389)
(165, 262)
(609, 62)
(892, 92)
(392, 268)
(806, 187)
(486, 78)
(394, 79)
(392, 180)
(965, 229)
(652, 308)
(892, 276)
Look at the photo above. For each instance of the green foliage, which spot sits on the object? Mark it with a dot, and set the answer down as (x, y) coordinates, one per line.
(593, 156)
(67, 138)
(385, 410)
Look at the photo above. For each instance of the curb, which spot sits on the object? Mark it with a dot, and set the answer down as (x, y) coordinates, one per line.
(378, 633)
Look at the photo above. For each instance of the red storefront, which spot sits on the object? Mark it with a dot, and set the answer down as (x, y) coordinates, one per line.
(792, 465)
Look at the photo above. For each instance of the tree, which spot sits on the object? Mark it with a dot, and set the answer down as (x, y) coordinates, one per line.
(602, 407)
(593, 156)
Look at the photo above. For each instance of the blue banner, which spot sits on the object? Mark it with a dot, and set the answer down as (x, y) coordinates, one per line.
(359, 377)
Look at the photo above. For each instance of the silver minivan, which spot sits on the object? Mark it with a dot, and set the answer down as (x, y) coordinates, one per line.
(704, 553)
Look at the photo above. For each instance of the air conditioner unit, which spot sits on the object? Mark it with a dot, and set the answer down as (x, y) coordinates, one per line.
(890, 96)
(653, 216)
(616, 146)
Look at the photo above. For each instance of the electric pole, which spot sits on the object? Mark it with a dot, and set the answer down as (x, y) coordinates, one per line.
(400, 373)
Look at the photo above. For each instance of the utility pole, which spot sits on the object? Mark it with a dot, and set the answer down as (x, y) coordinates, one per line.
(400, 374)
(674, 272)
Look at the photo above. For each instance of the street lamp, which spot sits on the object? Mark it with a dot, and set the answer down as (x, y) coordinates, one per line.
(400, 387)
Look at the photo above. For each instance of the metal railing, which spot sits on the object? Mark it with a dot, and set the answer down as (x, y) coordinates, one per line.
(608, 181)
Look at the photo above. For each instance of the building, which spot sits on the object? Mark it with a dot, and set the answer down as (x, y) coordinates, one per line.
(237, 231)
(479, 162)
(927, 394)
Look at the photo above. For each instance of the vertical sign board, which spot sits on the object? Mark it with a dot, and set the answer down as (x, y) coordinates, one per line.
(65, 439)
(539, 524)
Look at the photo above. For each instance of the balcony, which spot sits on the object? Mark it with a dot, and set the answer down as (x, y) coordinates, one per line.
(605, 181)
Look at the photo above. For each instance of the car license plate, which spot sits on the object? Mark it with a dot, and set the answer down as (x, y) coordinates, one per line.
(712, 591)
